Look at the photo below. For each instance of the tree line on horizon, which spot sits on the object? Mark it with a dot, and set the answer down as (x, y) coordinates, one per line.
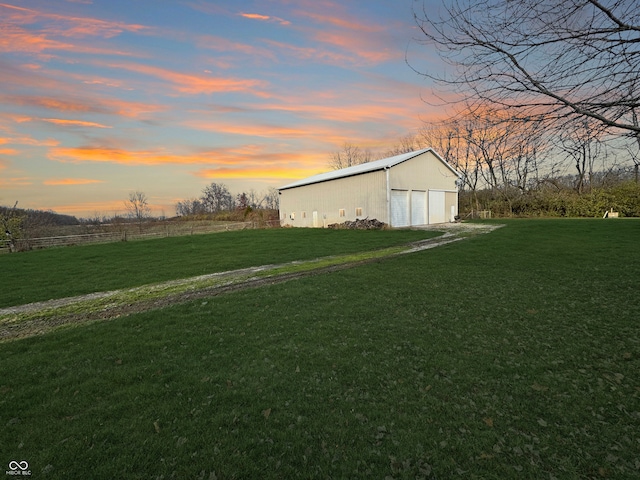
(216, 199)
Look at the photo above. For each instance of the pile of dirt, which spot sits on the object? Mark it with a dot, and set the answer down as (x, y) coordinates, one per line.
(360, 224)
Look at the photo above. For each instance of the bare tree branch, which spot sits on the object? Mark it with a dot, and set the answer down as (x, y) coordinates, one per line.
(548, 59)
(349, 156)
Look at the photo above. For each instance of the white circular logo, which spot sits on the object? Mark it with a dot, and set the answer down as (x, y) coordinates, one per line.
(13, 465)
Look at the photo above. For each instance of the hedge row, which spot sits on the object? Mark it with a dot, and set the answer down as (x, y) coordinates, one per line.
(623, 198)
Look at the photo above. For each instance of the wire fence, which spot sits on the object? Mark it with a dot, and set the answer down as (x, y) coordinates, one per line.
(130, 232)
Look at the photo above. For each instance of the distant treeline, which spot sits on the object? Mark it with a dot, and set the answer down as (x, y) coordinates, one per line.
(38, 217)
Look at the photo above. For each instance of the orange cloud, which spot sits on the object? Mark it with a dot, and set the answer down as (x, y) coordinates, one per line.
(325, 135)
(70, 181)
(74, 123)
(8, 151)
(255, 16)
(121, 156)
(194, 84)
(251, 130)
(15, 182)
(248, 161)
(26, 140)
(91, 209)
(256, 172)
(259, 162)
(17, 118)
(110, 155)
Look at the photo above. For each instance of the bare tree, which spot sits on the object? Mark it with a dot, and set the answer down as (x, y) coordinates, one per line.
(635, 153)
(270, 200)
(582, 143)
(11, 221)
(191, 206)
(253, 198)
(551, 59)
(137, 207)
(242, 201)
(490, 151)
(349, 156)
(408, 143)
(216, 198)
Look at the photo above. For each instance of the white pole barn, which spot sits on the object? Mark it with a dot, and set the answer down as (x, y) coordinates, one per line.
(412, 189)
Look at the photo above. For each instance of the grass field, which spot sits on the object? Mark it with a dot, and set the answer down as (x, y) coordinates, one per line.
(62, 272)
(509, 355)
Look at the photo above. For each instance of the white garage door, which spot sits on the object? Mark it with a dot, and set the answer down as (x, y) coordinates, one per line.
(437, 212)
(399, 208)
(418, 208)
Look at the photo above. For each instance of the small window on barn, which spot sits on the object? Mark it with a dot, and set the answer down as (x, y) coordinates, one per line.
(304, 214)
(293, 215)
(359, 212)
(341, 212)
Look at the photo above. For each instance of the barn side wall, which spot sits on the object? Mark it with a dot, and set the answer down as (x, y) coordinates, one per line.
(335, 201)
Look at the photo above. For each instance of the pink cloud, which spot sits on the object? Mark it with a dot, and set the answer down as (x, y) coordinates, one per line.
(354, 38)
(74, 123)
(195, 84)
(266, 18)
(68, 26)
(221, 44)
(63, 103)
(16, 39)
(44, 35)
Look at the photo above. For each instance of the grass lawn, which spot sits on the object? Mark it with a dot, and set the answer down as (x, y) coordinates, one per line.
(68, 271)
(509, 355)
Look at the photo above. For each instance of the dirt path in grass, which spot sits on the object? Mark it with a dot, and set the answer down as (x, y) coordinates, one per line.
(41, 317)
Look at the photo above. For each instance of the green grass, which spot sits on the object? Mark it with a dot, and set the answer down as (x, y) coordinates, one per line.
(62, 272)
(510, 355)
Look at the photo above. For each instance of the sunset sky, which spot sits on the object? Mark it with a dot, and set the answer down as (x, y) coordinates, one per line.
(100, 98)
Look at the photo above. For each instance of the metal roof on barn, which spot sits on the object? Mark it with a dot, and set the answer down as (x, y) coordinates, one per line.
(381, 164)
